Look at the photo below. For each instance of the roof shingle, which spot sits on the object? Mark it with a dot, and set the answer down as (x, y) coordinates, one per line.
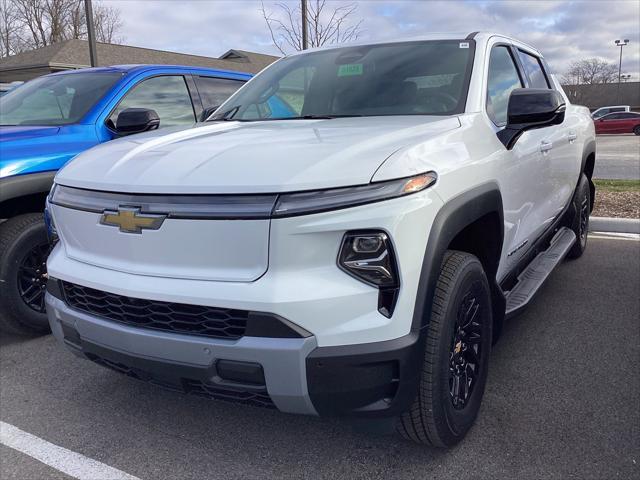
(75, 54)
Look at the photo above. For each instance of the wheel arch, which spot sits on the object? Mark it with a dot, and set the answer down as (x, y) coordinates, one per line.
(22, 194)
(457, 226)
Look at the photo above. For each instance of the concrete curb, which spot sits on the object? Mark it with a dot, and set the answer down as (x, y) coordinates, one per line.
(615, 225)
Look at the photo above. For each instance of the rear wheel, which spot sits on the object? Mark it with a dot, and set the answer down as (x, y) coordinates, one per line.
(454, 369)
(24, 248)
(580, 222)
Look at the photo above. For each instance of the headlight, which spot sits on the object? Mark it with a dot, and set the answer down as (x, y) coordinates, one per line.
(243, 206)
(304, 203)
(369, 257)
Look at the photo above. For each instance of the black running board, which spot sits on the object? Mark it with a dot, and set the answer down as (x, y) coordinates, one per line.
(532, 278)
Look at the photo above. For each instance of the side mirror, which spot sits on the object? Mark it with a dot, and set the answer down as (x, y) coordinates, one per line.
(531, 108)
(136, 120)
(208, 112)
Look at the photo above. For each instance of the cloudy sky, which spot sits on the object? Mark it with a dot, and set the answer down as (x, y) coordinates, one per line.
(562, 30)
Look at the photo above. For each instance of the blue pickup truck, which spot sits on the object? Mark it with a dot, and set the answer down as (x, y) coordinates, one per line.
(46, 122)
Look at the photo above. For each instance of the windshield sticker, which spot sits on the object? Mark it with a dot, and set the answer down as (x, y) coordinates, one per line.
(350, 69)
(464, 44)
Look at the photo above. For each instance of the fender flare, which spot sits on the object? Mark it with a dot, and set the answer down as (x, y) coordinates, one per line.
(589, 149)
(452, 218)
(27, 184)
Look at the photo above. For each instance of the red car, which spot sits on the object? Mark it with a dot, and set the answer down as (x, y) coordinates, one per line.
(619, 122)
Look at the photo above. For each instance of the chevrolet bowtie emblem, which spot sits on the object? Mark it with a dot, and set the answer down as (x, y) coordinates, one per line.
(130, 220)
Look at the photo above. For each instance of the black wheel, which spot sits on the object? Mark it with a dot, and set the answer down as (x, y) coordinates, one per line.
(580, 222)
(454, 370)
(24, 248)
(636, 130)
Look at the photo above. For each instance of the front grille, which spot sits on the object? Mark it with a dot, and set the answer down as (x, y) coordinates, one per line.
(169, 317)
(256, 398)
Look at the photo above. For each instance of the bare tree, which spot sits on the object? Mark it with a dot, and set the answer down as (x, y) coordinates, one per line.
(324, 25)
(108, 24)
(590, 70)
(29, 24)
(10, 42)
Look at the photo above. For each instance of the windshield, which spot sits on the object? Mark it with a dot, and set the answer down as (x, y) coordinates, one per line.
(55, 100)
(412, 78)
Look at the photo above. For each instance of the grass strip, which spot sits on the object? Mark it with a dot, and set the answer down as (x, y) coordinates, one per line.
(617, 185)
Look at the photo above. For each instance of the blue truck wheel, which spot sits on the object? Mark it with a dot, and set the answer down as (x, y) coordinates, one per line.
(23, 254)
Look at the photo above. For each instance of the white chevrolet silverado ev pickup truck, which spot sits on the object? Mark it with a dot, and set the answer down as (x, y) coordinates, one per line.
(345, 236)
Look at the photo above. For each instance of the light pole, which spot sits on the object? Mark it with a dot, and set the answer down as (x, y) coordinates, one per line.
(91, 33)
(303, 7)
(620, 43)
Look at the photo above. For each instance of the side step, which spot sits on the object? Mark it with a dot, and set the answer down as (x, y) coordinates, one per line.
(532, 278)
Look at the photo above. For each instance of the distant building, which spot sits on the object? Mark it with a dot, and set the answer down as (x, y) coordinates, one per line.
(602, 94)
(73, 54)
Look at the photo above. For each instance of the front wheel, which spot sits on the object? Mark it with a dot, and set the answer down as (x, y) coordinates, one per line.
(637, 130)
(24, 248)
(580, 221)
(455, 364)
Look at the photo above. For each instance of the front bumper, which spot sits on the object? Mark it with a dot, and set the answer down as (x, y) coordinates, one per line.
(295, 375)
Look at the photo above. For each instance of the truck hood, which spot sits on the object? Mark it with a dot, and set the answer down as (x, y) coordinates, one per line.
(17, 133)
(33, 149)
(251, 157)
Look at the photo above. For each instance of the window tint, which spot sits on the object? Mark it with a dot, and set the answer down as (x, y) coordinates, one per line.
(534, 70)
(630, 115)
(214, 91)
(56, 99)
(614, 116)
(167, 95)
(503, 78)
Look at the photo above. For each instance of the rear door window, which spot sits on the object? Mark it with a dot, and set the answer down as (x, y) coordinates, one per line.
(214, 91)
(534, 70)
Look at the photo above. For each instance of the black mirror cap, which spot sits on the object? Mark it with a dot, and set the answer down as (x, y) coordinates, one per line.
(136, 120)
(531, 108)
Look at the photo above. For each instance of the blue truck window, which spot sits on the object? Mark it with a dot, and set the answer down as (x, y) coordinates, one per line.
(55, 100)
(213, 90)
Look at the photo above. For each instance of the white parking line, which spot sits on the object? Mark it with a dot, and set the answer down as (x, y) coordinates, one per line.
(66, 461)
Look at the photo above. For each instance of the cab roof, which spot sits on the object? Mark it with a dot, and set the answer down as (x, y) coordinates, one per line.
(150, 67)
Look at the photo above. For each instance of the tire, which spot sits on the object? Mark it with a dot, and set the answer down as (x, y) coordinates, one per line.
(581, 207)
(23, 244)
(636, 130)
(437, 417)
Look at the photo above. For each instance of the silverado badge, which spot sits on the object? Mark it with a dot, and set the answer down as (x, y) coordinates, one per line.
(130, 220)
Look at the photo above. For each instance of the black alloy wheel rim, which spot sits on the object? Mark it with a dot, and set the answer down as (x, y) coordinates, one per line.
(465, 353)
(32, 277)
(584, 218)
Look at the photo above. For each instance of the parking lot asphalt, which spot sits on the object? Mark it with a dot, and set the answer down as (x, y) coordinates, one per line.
(562, 401)
(618, 157)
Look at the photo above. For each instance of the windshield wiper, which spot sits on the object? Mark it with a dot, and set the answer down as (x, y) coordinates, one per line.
(268, 119)
(316, 117)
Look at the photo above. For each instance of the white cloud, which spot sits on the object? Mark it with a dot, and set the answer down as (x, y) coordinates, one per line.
(563, 30)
